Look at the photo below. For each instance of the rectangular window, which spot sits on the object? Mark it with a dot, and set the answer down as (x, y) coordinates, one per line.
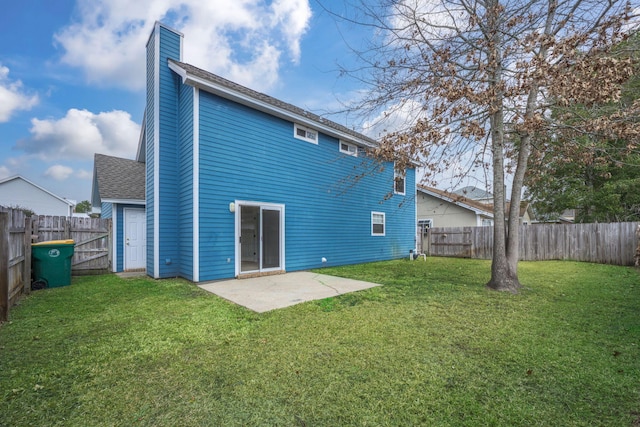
(305, 134)
(424, 225)
(398, 181)
(349, 149)
(377, 224)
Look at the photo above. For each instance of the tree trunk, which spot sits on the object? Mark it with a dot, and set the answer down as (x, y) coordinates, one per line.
(503, 274)
(504, 269)
(513, 239)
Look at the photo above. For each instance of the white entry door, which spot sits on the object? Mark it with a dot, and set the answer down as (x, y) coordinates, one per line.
(135, 239)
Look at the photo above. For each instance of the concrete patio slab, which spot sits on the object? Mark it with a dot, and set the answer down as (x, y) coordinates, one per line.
(267, 293)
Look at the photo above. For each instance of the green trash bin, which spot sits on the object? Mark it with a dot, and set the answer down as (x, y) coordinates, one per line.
(52, 262)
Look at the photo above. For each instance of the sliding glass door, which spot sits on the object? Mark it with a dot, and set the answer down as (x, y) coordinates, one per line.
(260, 237)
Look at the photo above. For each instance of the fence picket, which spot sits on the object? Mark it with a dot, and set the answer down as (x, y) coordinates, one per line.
(613, 243)
(5, 260)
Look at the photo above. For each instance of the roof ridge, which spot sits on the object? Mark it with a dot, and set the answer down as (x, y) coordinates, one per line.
(272, 100)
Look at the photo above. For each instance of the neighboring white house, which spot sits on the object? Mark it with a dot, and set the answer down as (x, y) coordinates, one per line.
(438, 208)
(17, 191)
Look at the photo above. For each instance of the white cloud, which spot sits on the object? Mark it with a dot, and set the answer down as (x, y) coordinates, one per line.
(293, 17)
(436, 20)
(84, 174)
(12, 96)
(5, 172)
(242, 40)
(58, 172)
(80, 134)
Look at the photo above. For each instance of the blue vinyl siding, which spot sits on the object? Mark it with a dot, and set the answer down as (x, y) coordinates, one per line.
(167, 204)
(252, 156)
(119, 237)
(185, 167)
(105, 210)
(168, 179)
(149, 155)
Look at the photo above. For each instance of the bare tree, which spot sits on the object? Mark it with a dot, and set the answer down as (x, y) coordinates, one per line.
(487, 80)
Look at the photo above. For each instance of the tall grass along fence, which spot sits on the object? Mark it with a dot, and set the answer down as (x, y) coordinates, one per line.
(612, 243)
(18, 231)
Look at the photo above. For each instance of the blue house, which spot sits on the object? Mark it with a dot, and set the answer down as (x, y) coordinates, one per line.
(239, 183)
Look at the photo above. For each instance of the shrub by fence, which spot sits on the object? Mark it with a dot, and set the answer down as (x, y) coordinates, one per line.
(611, 243)
(18, 231)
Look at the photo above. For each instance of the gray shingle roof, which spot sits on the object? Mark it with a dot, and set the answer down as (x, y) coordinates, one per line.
(120, 179)
(473, 193)
(220, 81)
(458, 199)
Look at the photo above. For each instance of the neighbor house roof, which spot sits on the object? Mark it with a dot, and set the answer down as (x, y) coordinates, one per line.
(460, 200)
(116, 179)
(213, 83)
(463, 201)
(485, 209)
(473, 193)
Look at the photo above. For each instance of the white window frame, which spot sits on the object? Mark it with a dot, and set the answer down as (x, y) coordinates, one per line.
(425, 222)
(307, 131)
(396, 175)
(384, 223)
(352, 149)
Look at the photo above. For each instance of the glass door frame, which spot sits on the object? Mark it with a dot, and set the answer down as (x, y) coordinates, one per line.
(238, 232)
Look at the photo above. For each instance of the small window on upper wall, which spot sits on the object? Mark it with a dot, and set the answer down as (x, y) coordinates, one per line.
(305, 134)
(377, 223)
(398, 181)
(349, 149)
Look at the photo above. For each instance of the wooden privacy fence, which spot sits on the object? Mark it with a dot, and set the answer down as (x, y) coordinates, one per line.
(91, 235)
(92, 238)
(612, 243)
(15, 258)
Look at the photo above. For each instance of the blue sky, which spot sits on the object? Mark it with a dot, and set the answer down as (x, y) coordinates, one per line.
(72, 72)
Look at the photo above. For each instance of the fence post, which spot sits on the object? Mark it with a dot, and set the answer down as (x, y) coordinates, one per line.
(4, 266)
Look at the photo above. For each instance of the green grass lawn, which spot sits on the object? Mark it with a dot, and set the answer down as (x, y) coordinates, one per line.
(431, 347)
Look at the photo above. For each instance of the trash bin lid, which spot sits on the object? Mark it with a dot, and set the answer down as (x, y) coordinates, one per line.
(55, 242)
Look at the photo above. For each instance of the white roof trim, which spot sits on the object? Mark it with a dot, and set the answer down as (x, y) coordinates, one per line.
(457, 202)
(11, 178)
(142, 143)
(125, 201)
(156, 27)
(266, 107)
